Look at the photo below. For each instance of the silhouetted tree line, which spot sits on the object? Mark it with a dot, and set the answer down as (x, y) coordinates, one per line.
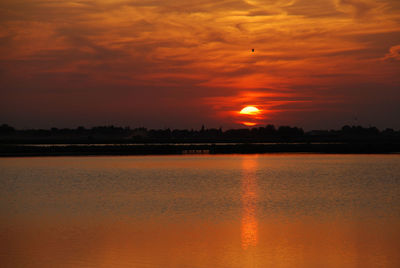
(268, 133)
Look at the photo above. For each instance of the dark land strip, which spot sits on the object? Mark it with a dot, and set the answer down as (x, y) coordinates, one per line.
(177, 149)
(111, 140)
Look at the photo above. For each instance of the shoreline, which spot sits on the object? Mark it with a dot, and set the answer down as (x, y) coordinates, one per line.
(182, 149)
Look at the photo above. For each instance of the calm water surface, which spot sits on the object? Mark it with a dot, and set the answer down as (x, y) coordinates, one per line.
(282, 210)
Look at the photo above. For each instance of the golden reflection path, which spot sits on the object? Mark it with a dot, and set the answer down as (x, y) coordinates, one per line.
(249, 226)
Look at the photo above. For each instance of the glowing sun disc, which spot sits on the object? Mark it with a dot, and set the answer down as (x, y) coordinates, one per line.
(250, 110)
(249, 124)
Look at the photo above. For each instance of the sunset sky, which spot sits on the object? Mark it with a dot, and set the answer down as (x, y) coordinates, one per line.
(180, 64)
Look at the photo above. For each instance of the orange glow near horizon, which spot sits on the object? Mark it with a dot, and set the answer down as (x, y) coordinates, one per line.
(249, 124)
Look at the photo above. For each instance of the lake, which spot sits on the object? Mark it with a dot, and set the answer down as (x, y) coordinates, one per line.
(274, 210)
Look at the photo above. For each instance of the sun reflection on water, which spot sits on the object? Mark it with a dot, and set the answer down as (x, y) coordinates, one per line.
(249, 227)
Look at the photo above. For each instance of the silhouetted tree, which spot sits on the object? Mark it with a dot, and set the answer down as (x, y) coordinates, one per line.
(289, 132)
(6, 129)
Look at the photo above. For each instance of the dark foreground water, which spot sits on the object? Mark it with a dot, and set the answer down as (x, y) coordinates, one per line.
(281, 210)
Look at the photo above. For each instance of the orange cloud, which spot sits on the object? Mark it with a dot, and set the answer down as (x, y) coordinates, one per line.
(309, 55)
(394, 53)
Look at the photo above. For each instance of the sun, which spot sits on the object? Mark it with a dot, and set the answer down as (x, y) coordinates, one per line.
(250, 110)
(249, 124)
(250, 115)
